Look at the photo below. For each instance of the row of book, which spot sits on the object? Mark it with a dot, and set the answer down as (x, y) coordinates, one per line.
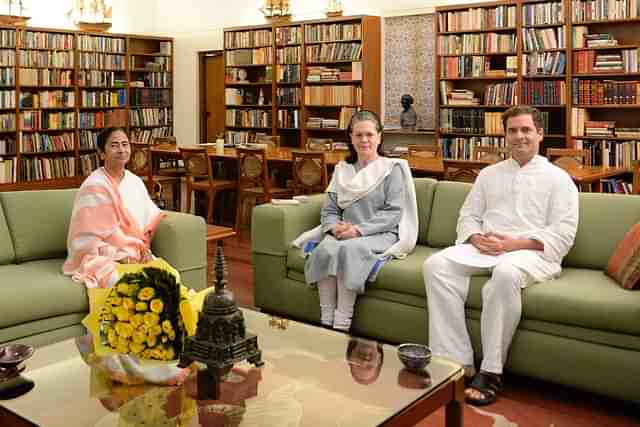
(89, 163)
(477, 121)
(104, 98)
(547, 63)
(620, 154)
(245, 39)
(101, 119)
(333, 52)
(7, 99)
(150, 117)
(604, 10)
(7, 122)
(7, 39)
(288, 74)
(346, 95)
(544, 92)
(476, 66)
(41, 58)
(7, 77)
(45, 143)
(48, 99)
(598, 92)
(7, 146)
(40, 168)
(616, 185)
(45, 77)
(332, 32)
(329, 74)
(288, 35)
(152, 79)
(142, 63)
(165, 48)
(248, 57)
(241, 75)
(288, 96)
(101, 44)
(146, 136)
(476, 44)
(501, 93)
(159, 97)
(102, 61)
(543, 13)
(289, 119)
(7, 58)
(239, 137)
(464, 148)
(288, 55)
(35, 120)
(99, 78)
(452, 96)
(40, 40)
(477, 19)
(248, 118)
(543, 38)
(7, 170)
(88, 139)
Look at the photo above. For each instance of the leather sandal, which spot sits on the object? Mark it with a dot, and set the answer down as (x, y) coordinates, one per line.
(489, 385)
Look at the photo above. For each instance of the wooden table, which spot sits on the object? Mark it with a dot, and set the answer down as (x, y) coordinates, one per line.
(591, 175)
(215, 233)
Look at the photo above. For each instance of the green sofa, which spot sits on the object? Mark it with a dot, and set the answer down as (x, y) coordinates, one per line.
(581, 330)
(38, 304)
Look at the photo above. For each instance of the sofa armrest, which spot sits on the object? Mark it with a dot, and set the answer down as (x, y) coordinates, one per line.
(180, 240)
(273, 227)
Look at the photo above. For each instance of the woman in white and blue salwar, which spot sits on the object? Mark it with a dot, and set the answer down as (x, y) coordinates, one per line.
(369, 215)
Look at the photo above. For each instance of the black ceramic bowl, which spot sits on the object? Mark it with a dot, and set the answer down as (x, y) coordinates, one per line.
(11, 355)
(414, 356)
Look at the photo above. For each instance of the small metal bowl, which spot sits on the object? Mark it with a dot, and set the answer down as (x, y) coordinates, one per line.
(415, 357)
(11, 355)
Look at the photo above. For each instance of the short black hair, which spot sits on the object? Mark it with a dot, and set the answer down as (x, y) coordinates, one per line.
(521, 110)
(362, 116)
(104, 135)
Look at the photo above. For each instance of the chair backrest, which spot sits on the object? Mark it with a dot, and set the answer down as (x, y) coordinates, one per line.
(568, 157)
(462, 170)
(139, 163)
(253, 170)
(424, 150)
(319, 144)
(309, 172)
(636, 178)
(272, 141)
(490, 154)
(165, 140)
(196, 163)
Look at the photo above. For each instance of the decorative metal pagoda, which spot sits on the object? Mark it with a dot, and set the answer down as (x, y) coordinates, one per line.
(221, 339)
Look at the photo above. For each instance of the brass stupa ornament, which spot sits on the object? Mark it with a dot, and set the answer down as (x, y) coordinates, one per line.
(221, 339)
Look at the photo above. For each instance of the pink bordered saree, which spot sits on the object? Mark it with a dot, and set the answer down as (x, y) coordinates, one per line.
(109, 223)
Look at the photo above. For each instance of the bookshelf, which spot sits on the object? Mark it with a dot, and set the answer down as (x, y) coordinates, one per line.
(308, 78)
(59, 88)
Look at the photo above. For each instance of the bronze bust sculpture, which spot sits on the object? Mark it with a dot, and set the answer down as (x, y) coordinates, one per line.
(408, 117)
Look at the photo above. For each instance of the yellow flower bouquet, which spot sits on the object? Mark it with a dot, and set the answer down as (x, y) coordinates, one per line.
(139, 326)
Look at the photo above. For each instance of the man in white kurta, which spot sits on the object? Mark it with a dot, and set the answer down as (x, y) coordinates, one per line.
(524, 211)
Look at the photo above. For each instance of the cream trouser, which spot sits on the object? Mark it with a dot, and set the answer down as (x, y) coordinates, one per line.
(447, 286)
(336, 303)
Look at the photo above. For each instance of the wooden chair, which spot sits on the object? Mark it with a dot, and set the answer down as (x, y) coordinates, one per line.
(200, 177)
(168, 167)
(319, 144)
(140, 164)
(462, 170)
(309, 172)
(490, 154)
(568, 157)
(254, 180)
(425, 150)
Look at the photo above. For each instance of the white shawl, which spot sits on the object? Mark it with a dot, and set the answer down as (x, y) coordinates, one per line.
(351, 186)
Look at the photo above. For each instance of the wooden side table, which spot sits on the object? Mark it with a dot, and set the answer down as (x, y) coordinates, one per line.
(216, 233)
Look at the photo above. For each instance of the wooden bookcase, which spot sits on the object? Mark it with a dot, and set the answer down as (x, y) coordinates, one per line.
(579, 92)
(59, 88)
(344, 54)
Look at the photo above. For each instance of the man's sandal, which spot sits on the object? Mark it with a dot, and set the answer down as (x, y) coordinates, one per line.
(489, 385)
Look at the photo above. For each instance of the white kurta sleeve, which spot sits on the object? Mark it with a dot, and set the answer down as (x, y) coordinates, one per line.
(470, 219)
(559, 234)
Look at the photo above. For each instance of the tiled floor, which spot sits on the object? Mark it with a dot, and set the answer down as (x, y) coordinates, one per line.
(525, 402)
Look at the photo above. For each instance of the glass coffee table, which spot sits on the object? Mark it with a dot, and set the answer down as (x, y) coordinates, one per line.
(311, 377)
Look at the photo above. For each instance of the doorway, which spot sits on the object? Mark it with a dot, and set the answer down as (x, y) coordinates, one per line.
(212, 112)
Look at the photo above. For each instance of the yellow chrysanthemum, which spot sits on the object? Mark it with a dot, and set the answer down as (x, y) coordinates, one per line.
(141, 306)
(171, 335)
(151, 340)
(155, 330)
(136, 348)
(156, 305)
(167, 326)
(123, 340)
(146, 354)
(157, 353)
(146, 293)
(151, 319)
(125, 329)
(136, 320)
(122, 314)
(128, 303)
(143, 328)
(123, 288)
(114, 301)
(112, 337)
(170, 353)
(139, 337)
(123, 348)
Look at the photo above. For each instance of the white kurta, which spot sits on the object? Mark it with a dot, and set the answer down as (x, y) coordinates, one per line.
(538, 201)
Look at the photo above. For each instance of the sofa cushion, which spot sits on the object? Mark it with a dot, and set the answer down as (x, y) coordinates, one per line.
(38, 290)
(7, 254)
(404, 276)
(624, 263)
(425, 190)
(38, 222)
(604, 220)
(579, 297)
(448, 200)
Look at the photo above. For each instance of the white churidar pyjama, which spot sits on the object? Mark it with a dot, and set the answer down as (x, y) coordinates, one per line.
(336, 303)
